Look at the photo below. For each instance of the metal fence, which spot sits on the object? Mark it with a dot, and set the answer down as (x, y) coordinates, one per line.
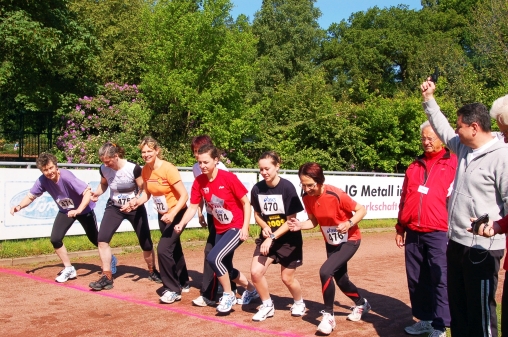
(29, 165)
(28, 134)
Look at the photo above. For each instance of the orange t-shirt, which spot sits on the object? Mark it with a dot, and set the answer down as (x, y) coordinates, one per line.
(330, 208)
(160, 181)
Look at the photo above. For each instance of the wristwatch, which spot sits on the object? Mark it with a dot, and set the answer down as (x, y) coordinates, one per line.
(351, 224)
(272, 236)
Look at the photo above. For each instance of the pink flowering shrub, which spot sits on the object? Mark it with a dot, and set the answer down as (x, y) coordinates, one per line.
(119, 115)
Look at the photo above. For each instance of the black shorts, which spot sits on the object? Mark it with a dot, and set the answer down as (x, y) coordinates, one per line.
(286, 254)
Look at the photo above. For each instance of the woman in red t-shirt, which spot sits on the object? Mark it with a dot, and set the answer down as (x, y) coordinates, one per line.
(226, 196)
(338, 216)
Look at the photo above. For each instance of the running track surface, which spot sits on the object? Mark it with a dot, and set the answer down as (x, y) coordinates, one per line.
(34, 305)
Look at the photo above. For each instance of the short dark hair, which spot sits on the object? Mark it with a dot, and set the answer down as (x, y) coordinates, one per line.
(211, 150)
(314, 171)
(44, 159)
(476, 113)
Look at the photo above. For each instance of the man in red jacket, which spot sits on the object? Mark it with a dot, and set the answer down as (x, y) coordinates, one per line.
(423, 221)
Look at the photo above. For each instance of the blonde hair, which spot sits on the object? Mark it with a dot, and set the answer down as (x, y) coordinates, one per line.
(151, 143)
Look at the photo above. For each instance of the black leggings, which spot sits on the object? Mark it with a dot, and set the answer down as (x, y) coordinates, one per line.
(138, 218)
(208, 273)
(335, 267)
(172, 264)
(63, 223)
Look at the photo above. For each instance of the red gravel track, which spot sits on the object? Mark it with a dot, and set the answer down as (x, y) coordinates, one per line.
(34, 305)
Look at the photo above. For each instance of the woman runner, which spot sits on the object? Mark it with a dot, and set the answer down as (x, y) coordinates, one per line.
(338, 216)
(275, 201)
(205, 292)
(226, 196)
(125, 183)
(162, 181)
(72, 197)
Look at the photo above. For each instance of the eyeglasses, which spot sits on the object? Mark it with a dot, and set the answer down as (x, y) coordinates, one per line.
(308, 186)
(424, 139)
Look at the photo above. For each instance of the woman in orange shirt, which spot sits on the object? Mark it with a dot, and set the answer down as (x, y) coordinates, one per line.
(162, 182)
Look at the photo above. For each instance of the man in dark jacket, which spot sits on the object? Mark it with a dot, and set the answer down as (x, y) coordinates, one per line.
(423, 221)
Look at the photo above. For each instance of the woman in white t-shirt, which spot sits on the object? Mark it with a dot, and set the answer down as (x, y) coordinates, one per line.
(125, 183)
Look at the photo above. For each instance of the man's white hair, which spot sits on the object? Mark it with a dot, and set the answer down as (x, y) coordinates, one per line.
(499, 110)
(424, 125)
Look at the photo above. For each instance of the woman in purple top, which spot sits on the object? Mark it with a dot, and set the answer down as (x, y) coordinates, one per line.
(72, 197)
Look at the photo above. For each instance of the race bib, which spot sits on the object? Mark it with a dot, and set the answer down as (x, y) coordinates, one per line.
(65, 203)
(222, 215)
(271, 204)
(122, 199)
(160, 204)
(332, 236)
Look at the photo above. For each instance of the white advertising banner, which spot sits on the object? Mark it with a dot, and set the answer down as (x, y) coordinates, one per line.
(379, 195)
(36, 220)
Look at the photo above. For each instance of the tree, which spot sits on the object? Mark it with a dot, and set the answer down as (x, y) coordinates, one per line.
(44, 56)
(199, 68)
(382, 52)
(303, 123)
(489, 41)
(289, 37)
(117, 26)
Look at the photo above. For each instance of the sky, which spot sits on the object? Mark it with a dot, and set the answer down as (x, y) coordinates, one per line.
(331, 10)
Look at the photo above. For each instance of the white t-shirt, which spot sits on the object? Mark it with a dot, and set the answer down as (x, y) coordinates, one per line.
(480, 150)
(197, 171)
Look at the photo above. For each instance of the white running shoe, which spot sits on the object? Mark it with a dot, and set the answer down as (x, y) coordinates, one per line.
(170, 297)
(66, 274)
(298, 310)
(419, 328)
(248, 296)
(327, 323)
(437, 333)
(114, 261)
(186, 288)
(359, 311)
(263, 313)
(226, 302)
(202, 301)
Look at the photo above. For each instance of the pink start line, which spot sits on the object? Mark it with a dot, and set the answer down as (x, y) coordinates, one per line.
(148, 304)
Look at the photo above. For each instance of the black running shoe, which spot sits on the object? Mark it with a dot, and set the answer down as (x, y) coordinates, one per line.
(155, 276)
(102, 283)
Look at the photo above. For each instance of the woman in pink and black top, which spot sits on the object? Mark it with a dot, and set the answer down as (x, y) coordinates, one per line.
(226, 196)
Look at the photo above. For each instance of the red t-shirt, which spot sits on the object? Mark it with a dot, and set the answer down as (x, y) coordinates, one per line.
(330, 208)
(223, 196)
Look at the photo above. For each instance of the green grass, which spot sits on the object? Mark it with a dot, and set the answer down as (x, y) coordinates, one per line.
(42, 246)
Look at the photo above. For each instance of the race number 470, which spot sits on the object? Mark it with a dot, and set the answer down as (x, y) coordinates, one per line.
(270, 207)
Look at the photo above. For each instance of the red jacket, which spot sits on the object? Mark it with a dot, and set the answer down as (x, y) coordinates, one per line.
(503, 223)
(426, 212)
